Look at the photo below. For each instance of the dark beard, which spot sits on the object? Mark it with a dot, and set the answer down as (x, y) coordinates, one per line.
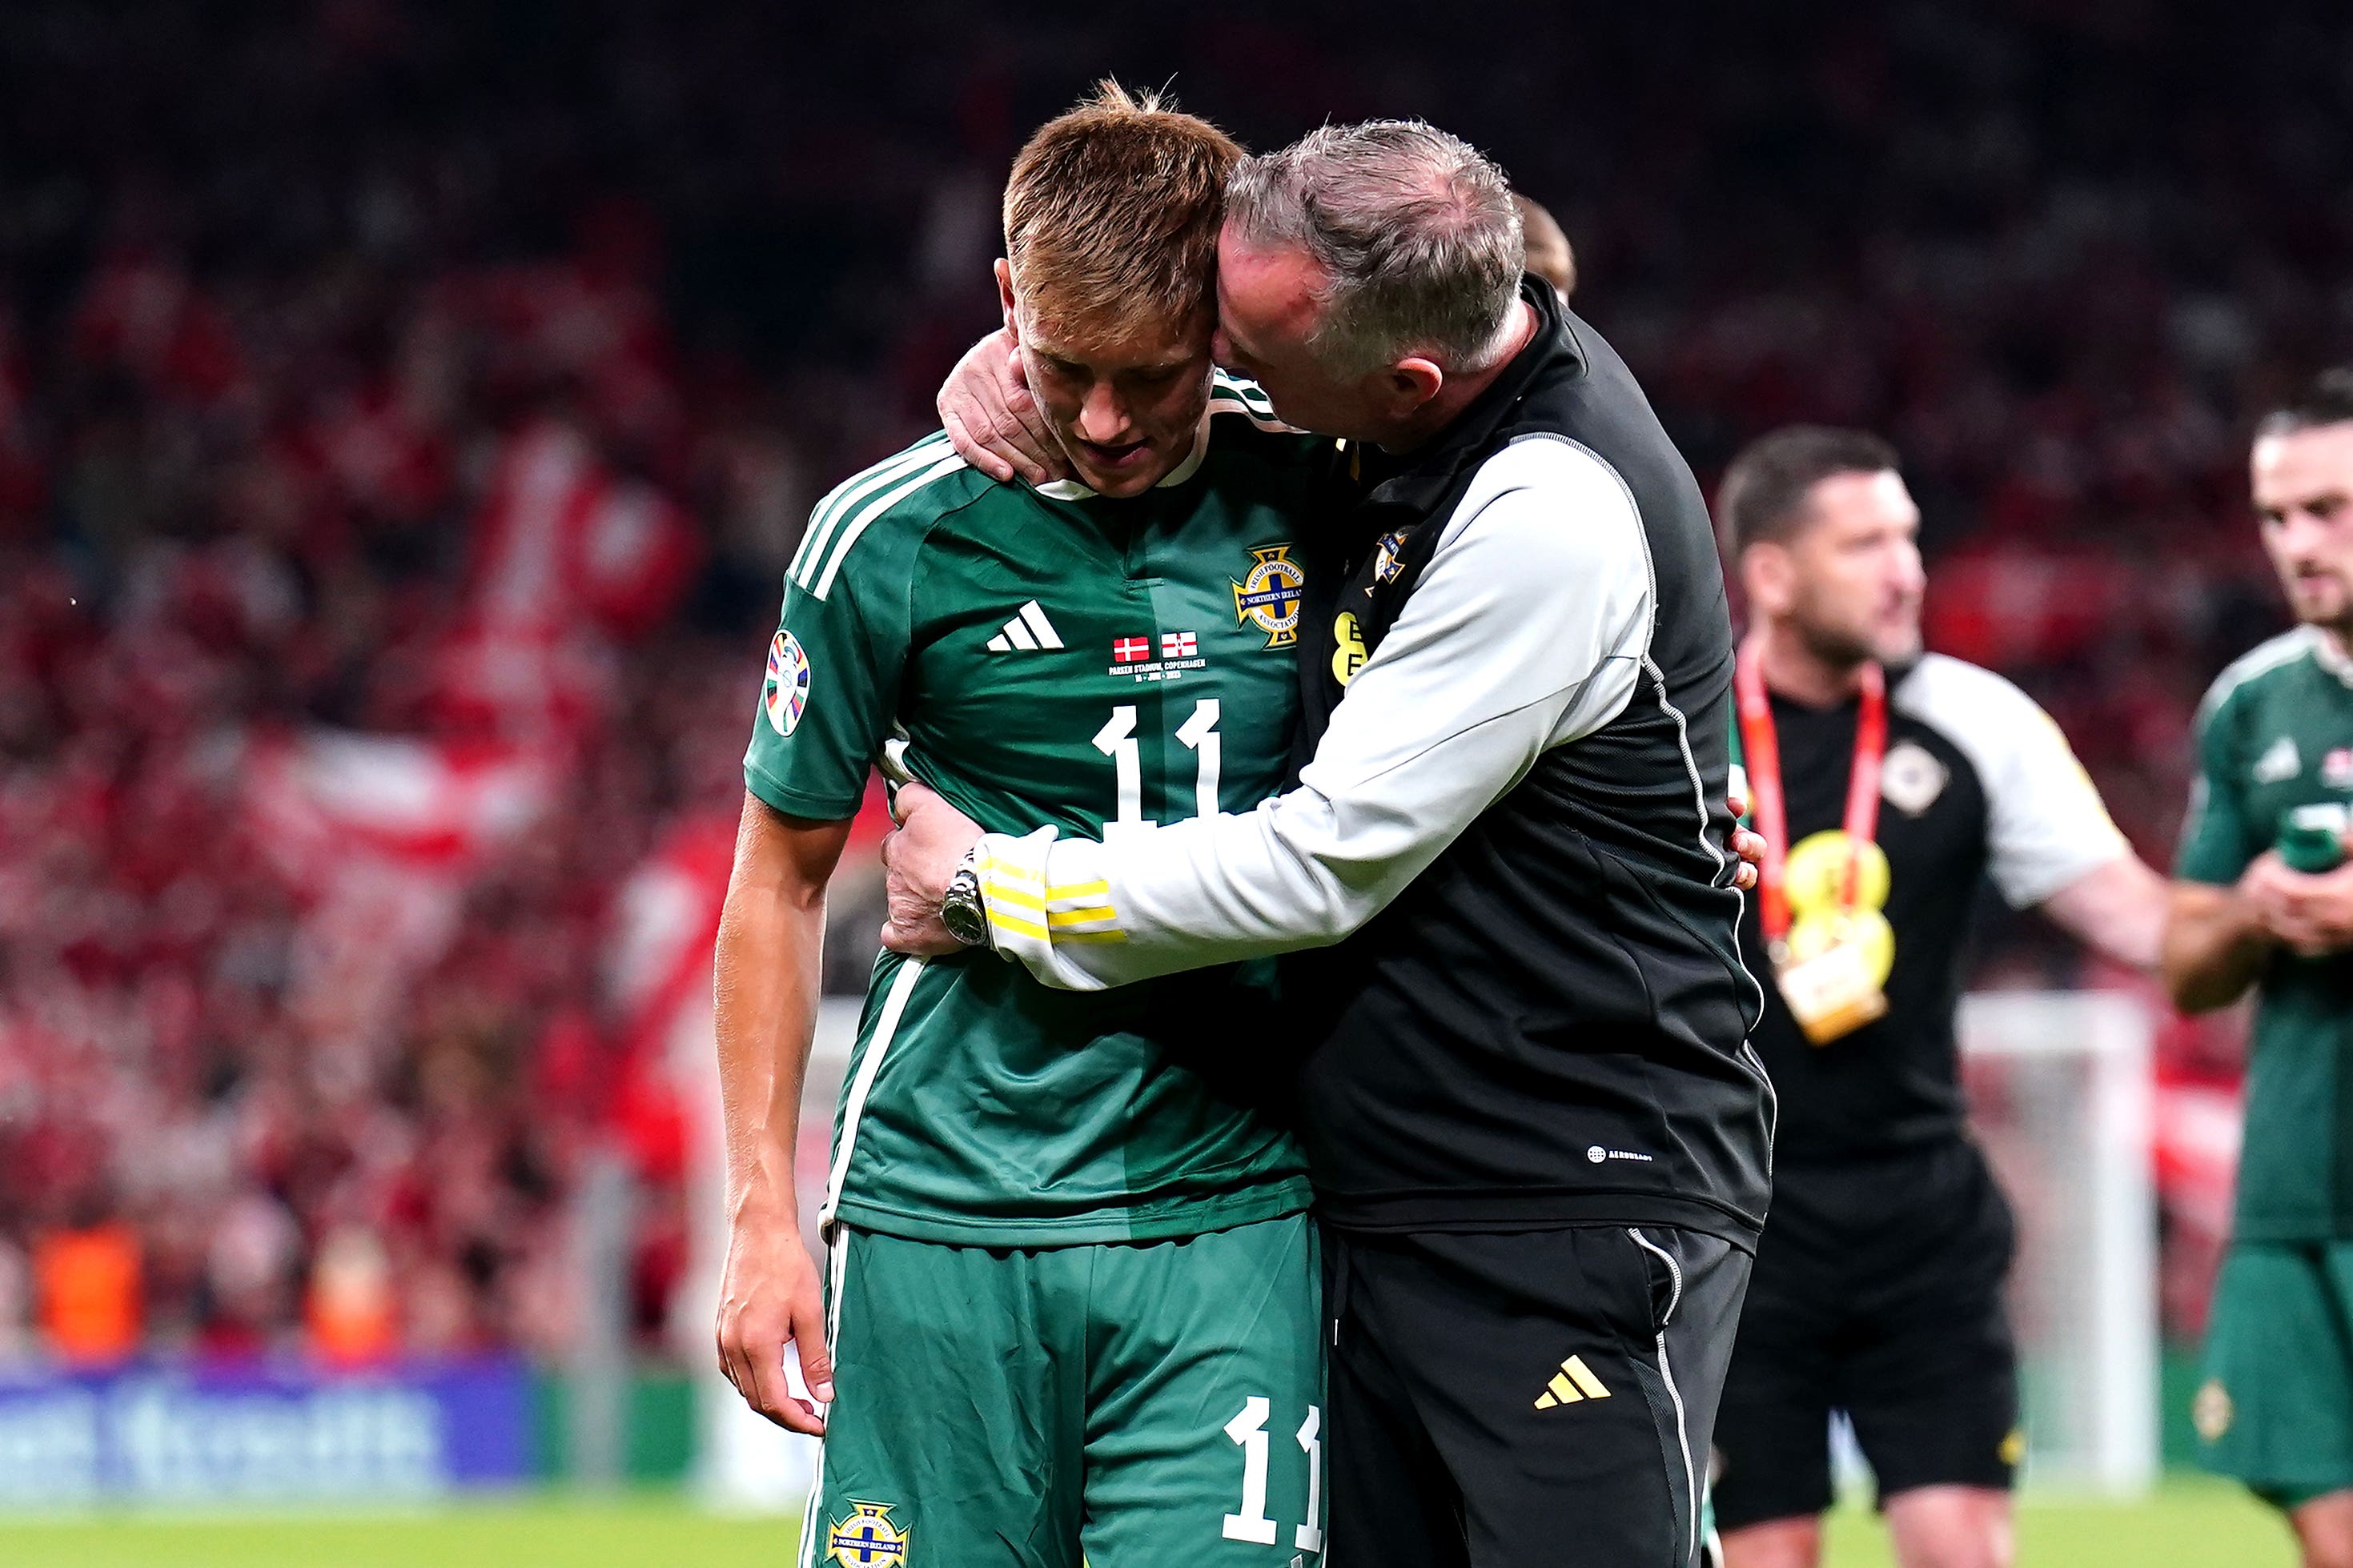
(1835, 649)
(2340, 628)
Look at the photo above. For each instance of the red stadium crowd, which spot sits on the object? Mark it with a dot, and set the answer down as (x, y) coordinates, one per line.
(324, 739)
(393, 481)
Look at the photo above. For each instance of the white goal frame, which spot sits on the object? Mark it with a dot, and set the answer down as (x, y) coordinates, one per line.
(2114, 1449)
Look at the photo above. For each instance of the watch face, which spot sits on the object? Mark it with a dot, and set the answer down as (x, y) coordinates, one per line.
(960, 911)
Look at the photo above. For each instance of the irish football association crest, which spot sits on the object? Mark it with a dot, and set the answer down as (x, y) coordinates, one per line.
(1269, 597)
(867, 1539)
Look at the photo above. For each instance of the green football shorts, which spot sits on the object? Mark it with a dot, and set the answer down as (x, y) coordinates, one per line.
(1127, 1406)
(2275, 1407)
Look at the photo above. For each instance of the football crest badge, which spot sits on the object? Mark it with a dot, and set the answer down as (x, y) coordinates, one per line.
(1268, 595)
(867, 1539)
(2211, 1411)
(785, 695)
(1910, 780)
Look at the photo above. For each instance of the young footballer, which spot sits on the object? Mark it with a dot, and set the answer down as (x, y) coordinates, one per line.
(1072, 1310)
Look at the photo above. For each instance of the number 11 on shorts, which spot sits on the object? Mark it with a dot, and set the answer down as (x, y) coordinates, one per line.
(1248, 1430)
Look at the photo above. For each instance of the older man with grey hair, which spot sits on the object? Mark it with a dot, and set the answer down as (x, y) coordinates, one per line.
(1513, 996)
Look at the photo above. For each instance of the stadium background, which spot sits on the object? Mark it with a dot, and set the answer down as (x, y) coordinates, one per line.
(407, 411)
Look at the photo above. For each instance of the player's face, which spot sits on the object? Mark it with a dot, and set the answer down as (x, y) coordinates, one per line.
(1856, 583)
(2303, 495)
(1126, 401)
(1267, 316)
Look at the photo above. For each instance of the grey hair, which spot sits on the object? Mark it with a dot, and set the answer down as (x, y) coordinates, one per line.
(1415, 230)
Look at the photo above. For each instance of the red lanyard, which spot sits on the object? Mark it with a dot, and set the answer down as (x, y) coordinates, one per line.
(1762, 752)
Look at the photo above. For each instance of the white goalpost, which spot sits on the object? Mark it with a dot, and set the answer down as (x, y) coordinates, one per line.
(2060, 1096)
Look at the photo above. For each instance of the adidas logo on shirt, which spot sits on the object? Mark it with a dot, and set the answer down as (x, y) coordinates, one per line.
(2280, 764)
(1029, 630)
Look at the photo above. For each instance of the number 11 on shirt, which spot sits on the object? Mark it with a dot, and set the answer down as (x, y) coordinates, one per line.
(1248, 1431)
(1117, 740)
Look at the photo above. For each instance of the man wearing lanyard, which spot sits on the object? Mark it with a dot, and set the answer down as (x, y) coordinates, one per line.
(1887, 782)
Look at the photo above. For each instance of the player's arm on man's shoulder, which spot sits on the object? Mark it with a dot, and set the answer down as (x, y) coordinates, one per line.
(1524, 633)
(2215, 943)
(768, 962)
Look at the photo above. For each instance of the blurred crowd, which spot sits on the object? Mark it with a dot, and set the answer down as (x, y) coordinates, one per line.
(301, 909)
(407, 411)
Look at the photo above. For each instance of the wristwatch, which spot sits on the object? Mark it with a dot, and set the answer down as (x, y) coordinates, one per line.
(962, 910)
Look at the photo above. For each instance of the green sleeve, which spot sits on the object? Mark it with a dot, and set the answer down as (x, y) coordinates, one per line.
(830, 697)
(2218, 840)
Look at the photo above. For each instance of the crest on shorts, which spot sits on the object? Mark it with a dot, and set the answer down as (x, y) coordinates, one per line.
(1269, 594)
(2211, 1411)
(867, 1539)
(786, 694)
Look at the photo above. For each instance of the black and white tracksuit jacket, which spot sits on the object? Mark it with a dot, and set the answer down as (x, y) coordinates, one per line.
(1507, 836)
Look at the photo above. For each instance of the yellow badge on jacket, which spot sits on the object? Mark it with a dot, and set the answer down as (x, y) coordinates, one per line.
(1349, 654)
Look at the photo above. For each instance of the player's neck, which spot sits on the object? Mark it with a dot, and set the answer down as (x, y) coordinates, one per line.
(1794, 671)
(2339, 639)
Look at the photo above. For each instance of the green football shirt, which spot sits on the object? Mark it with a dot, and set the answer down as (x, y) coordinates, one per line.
(1052, 656)
(2275, 734)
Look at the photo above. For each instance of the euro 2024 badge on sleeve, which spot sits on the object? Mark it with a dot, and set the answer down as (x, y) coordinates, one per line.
(785, 695)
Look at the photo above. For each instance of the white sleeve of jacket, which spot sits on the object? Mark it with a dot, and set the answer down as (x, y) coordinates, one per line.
(2046, 824)
(1528, 629)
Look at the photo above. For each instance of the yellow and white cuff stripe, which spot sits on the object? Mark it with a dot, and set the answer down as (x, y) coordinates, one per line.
(1023, 906)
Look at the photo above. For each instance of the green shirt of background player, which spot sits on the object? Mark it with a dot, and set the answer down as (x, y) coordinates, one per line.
(2264, 900)
(1071, 1301)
